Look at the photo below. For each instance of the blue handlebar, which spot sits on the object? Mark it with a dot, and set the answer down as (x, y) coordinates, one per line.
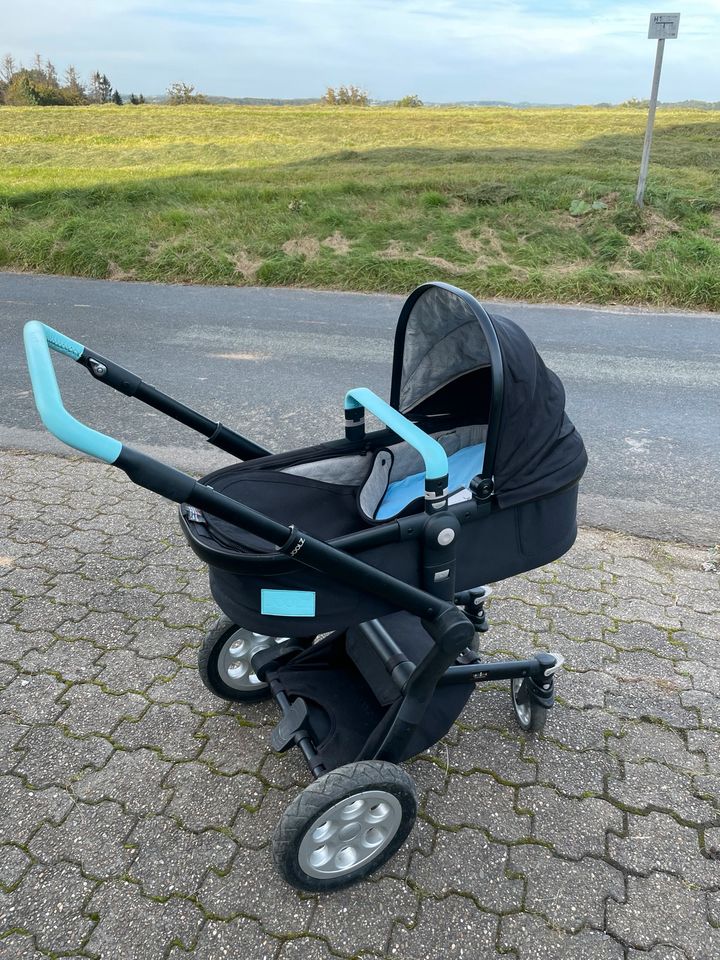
(39, 339)
(436, 461)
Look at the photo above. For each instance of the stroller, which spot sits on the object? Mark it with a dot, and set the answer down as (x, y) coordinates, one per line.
(349, 574)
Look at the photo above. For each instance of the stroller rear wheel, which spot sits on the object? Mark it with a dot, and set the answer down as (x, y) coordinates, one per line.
(224, 661)
(530, 715)
(345, 825)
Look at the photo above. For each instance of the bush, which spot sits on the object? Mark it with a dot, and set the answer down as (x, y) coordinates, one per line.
(351, 96)
(411, 100)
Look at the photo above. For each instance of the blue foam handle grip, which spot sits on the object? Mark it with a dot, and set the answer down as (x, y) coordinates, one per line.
(436, 461)
(39, 340)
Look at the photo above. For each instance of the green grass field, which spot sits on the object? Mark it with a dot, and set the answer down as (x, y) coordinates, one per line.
(367, 199)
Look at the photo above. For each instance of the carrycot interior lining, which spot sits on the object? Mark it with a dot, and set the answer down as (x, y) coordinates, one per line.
(324, 497)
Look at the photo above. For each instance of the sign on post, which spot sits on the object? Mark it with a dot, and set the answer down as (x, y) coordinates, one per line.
(663, 26)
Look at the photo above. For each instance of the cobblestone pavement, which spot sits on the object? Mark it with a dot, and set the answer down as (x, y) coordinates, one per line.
(136, 809)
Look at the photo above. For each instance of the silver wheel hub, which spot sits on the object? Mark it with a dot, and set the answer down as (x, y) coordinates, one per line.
(234, 662)
(522, 709)
(349, 834)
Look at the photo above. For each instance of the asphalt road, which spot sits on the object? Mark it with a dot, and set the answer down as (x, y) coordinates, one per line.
(643, 388)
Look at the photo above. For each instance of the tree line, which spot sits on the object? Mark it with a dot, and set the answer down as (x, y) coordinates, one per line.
(41, 85)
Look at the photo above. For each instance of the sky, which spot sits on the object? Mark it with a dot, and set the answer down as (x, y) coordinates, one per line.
(548, 51)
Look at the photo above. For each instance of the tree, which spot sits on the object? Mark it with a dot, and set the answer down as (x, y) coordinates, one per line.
(178, 93)
(351, 96)
(21, 91)
(74, 88)
(117, 99)
(100, 88)
(411, 100)
(134, 100)
(8, 68)
(141, 99)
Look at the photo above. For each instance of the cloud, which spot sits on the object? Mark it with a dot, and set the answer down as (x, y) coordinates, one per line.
(555, 51)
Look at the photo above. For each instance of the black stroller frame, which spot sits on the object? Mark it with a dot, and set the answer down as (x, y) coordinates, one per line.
(450, 617)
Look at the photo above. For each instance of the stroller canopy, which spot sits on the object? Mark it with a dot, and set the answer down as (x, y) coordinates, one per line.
(453, 359)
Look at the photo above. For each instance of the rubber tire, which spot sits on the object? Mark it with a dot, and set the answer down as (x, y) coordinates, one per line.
(538, 714)
(327, 790)
(208, 657)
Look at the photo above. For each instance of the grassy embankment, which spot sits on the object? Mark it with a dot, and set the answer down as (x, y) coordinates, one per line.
(374, 199)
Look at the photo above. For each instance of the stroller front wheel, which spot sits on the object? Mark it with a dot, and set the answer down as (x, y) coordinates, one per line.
(531, 716)
(345, 825)
(224, 661)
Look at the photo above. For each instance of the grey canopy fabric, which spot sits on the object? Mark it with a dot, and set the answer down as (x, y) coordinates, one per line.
(443, 341)
(533, 448)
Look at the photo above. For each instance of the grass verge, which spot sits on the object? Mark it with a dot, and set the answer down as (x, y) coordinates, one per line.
(374, 199)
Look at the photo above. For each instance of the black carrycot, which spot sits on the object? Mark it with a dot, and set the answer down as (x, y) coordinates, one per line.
(475, 383)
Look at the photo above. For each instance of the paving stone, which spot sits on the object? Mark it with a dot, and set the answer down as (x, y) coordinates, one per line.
(31, 699)
(185, 686)
(204, 799)
(702, 676)
(651, 914)
(646, 701)
(11, 732)
(22, 810)
(253, 888)
(16, 645)
(583, 689)
(530, 938)
(574, 827)
(479, 801)
(453, 928)
(50, 756)
(134, 779)
(570, 895)
(232, 747)
(170, 860)
(479, 750)
(657, 953)
(170, 729)
(657, 842)
(706, 704)
(708, 743)
(649, 785)
(465, 862)
(584, 729)
(90, 709)
(220, 939)
(641, 740)
(575, 773)
(361, 918)
(152, 638)
(645, 636)
(124, 671)
(93, 836)
(37, 613)
(519, 614)
(698, 648)
(305, 948)
(49, 905)
(71, 660)
(13, 864)
(135, 928)
(19, 946)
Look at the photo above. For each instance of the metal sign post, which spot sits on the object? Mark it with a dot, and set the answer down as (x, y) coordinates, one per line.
(663, 26)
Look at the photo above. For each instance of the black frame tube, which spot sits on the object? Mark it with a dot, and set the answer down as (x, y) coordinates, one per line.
(301, 547)
(122, 380)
